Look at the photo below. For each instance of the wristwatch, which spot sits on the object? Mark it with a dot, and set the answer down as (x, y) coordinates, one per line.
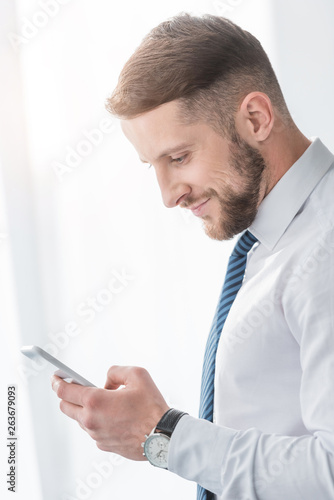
(157, 442)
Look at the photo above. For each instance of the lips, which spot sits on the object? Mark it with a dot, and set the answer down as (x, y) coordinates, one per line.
(199, 209)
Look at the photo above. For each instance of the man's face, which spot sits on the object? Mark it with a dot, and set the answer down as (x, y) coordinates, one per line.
(221, 181)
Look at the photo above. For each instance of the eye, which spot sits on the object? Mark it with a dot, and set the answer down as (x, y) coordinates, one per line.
(179, 160)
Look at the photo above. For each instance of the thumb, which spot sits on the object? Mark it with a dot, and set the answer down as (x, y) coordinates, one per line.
(124, 375)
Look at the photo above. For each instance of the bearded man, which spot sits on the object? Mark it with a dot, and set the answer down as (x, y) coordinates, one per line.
(200, 102)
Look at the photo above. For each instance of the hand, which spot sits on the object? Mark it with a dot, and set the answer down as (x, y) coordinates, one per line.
(117, 418)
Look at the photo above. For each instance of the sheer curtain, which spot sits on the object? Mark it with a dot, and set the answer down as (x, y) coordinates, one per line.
(93, 266)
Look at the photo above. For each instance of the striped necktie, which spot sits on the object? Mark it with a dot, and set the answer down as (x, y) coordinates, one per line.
(233, 281)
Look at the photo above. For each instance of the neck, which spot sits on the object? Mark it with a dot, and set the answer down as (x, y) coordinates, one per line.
(282, 152)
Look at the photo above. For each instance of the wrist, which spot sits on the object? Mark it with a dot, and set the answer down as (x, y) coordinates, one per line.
(169, 421)
(156, 444)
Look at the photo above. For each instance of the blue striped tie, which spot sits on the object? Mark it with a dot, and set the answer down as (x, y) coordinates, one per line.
(233, 281)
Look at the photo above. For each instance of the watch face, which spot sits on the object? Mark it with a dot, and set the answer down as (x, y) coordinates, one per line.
(156, 450)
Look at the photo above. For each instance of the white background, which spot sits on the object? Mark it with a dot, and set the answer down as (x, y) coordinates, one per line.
(63, 236)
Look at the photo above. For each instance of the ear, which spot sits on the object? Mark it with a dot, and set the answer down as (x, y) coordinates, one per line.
(255, 118)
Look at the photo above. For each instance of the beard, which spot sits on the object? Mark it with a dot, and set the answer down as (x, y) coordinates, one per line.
(237, 209)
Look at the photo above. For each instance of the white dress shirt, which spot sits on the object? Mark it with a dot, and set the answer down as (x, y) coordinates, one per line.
(273, 431)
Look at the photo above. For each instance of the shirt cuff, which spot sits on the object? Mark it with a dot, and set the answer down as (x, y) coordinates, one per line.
(198, 451)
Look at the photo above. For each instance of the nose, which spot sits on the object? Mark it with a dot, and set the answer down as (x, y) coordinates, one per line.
(173, 190)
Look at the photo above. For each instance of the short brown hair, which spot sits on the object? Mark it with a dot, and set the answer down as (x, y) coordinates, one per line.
(208, 63)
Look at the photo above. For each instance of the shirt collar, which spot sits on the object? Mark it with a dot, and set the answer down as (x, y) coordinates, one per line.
(280, 206)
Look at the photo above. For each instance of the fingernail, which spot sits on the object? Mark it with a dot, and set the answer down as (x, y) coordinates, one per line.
(54, 383)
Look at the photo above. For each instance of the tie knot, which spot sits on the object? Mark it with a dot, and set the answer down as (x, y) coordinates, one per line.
(244, 244)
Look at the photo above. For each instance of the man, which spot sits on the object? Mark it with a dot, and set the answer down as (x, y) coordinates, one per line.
(200, 102)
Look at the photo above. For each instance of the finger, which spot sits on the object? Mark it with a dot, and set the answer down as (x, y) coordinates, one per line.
(73, 393)
(73, 411)
(116, 377)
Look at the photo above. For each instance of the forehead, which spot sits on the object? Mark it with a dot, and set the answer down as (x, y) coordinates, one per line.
(154, 132)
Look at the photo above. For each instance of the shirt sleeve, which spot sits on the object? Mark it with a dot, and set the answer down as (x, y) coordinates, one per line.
(251, 465)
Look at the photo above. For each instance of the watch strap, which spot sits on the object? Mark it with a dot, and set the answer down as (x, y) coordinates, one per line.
(169, 420)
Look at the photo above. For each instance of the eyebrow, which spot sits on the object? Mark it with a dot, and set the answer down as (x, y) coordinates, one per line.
(169, 151)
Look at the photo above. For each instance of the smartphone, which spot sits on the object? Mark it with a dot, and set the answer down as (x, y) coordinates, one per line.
(36, 354)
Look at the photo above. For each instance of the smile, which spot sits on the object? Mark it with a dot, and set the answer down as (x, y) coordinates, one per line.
(198, 210)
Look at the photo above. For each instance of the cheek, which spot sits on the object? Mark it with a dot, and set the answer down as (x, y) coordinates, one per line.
(209, 173)
(216, 169)
(227, 178)
(219, 179)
